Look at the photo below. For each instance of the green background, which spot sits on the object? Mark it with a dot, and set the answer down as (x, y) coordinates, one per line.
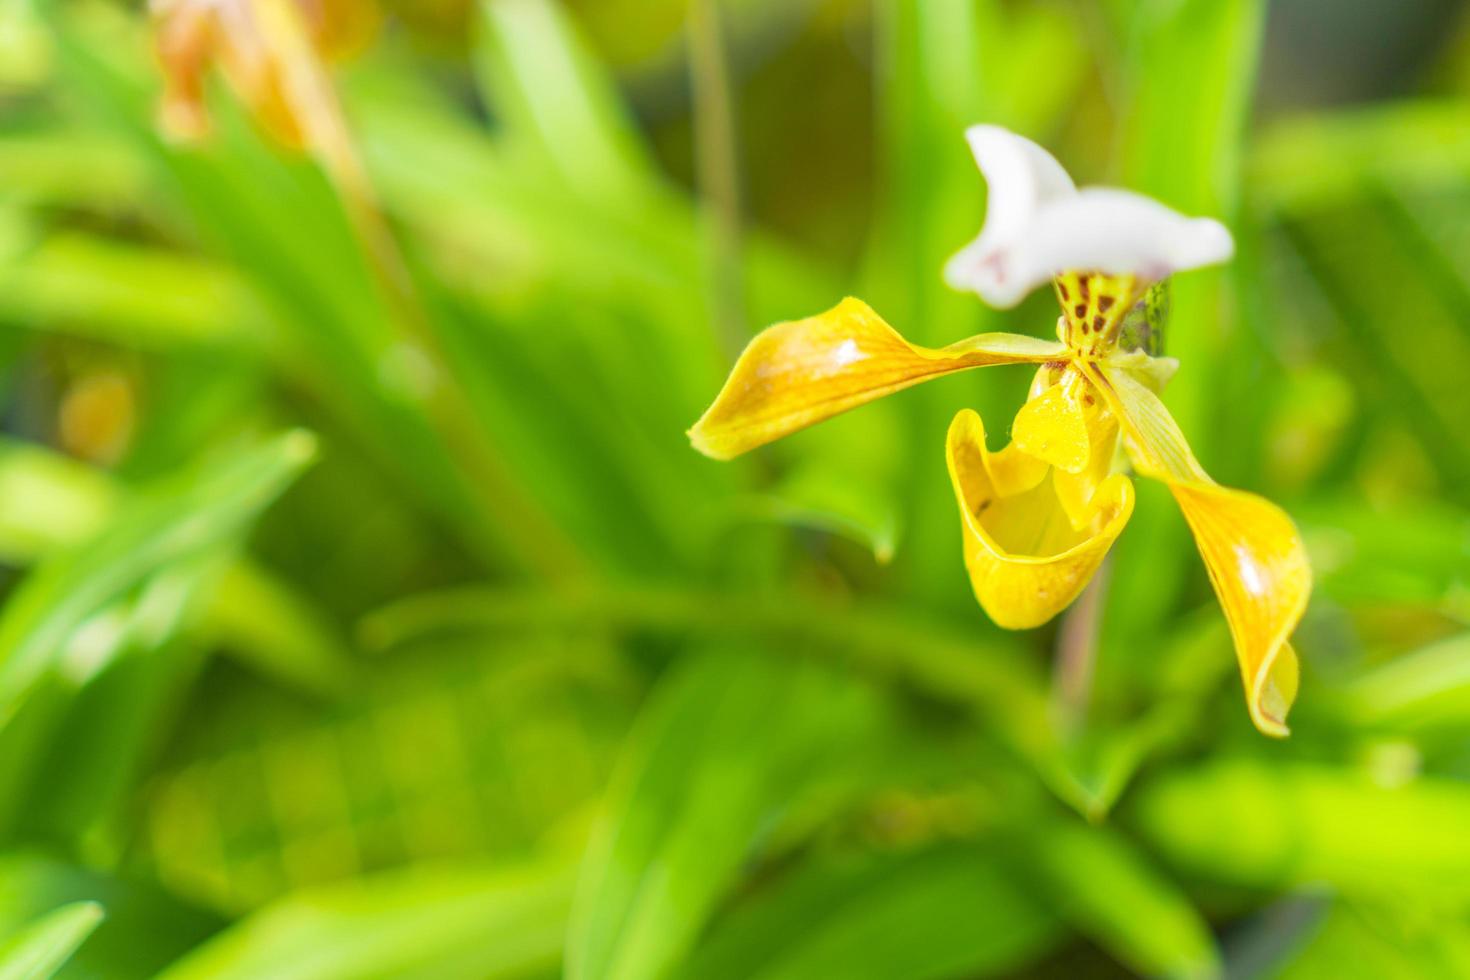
(305, 673)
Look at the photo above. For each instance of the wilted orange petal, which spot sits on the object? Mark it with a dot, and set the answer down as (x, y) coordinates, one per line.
(800, 372)
(1250, 546)
(1026, 558)
(271, 51)
(184, 43)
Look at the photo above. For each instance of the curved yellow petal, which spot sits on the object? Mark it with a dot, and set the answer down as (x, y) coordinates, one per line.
(1027, 559)
(1251, 548)
(797, 373)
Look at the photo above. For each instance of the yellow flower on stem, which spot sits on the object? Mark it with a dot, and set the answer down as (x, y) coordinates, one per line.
(1039, 515)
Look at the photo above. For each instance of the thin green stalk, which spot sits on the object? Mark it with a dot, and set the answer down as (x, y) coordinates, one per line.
(718, 172)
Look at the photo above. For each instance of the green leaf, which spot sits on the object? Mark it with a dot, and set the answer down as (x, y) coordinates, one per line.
(1269, 825)
(139, 298)
(1427, 688)
(74, 167)
(24, 57)
(145, 928)
(175, 523)
(80, 739)
(932, 89)
(1184, 136)
(40, 949)
(589, 299)
(51, 500)
(263, 621)
(827, 498)
(484, 749)
(1099, 761)
(984, 675)
(1413, 246)
(1415, 554)
(272, 627)
(114, 600)
(1329, 159)
(1099, 882)
(729, 742)
(1356, 940)
(943, 911)
(421, 923)
(1043, 44)
(538, 75)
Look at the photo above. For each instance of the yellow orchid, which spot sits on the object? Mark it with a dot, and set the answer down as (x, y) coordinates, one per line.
(1039, 515)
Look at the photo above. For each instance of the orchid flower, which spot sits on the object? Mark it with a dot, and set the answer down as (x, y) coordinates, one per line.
(1039, 515)
(271, 52)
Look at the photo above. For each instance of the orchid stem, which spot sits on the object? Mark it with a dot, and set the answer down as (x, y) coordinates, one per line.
(1076, 657)
(717, 171)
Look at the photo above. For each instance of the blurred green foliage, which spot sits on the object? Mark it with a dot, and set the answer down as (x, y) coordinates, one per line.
(292, 685)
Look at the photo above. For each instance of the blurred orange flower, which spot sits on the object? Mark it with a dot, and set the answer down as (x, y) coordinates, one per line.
(271, 52)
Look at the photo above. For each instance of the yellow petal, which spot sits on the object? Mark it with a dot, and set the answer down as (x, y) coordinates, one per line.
(1026, 558)
(1062, 421)
(1251, 548)
(1067, 424)
(1076, 490)
(1050, 427)
(798, 373)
